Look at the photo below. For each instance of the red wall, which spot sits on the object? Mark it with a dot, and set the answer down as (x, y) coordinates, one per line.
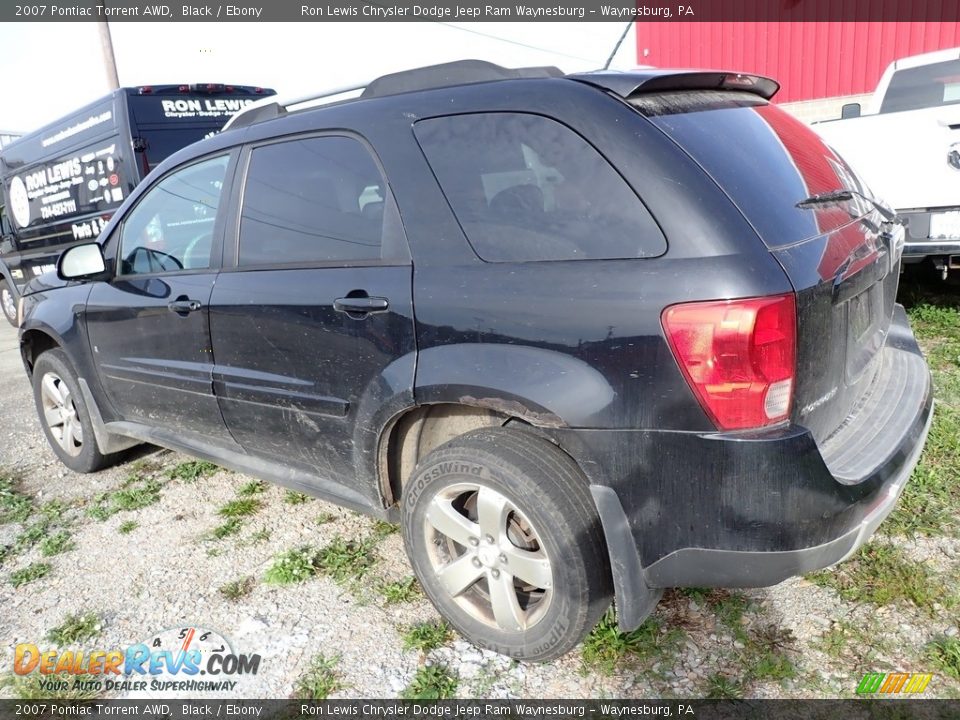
(809, 59)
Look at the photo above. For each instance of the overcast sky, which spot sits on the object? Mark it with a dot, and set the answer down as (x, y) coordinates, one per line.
(49, 69)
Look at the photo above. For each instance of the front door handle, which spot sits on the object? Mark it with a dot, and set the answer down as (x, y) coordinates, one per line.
(183, 306)
(361, 306)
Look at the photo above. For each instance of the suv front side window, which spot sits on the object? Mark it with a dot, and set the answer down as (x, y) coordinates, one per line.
(525, 187)
(172, 227)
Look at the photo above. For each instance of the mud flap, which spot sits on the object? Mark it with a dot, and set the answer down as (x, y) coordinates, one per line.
(635, 601)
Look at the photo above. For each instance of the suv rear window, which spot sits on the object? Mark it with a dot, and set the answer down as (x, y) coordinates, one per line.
(764, 159)
(525, 187)
(923, 87)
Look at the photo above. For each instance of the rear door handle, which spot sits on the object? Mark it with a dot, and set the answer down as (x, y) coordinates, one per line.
(361, 305)
(184, 306)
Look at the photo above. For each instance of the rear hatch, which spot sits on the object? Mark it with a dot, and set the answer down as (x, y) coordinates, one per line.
(841, 258)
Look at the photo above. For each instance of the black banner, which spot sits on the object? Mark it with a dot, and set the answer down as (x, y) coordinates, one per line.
(483, 709)
(481, 11)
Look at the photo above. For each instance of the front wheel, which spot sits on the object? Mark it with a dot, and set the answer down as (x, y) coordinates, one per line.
(63, 413)
(504, 537)
(8, 303)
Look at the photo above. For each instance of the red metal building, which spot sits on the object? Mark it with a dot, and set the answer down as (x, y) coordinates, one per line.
(811, 60)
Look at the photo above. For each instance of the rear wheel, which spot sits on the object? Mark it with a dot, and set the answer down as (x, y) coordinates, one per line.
(64, 415)
(504, 537)
(8, 303)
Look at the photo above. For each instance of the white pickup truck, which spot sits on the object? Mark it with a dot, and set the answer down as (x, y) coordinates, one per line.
(907, 146)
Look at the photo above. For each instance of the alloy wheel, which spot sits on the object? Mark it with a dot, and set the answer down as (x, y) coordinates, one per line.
(488, 556)
(60, 414)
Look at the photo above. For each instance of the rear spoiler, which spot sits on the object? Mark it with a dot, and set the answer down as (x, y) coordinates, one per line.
(650, 80)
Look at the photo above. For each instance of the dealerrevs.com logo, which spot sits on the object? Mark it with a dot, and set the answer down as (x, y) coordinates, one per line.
(177, 660)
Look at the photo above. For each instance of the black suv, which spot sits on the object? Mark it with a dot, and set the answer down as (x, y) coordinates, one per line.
(585, 336)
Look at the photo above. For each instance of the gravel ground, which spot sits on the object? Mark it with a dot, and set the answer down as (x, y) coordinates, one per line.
(166, 572)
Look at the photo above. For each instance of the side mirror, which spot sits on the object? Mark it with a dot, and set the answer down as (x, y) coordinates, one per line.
(850, 110)
(81, 262)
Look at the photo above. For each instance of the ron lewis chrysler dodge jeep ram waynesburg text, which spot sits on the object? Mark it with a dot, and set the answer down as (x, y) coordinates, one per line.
(585, 336)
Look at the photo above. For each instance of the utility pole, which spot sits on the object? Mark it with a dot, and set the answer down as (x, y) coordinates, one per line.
(106, 45)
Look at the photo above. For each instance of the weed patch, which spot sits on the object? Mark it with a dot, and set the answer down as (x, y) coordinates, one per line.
(431, 682)
(75, 629)
(607, 646)
(192, 470)
(29, 574)
(241, 507)
(427, 636)
(321, 679)
(882, 575)
(236, 589)
(402, 591)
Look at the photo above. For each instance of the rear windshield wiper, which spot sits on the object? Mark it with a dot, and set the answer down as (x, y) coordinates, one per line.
(838, 196)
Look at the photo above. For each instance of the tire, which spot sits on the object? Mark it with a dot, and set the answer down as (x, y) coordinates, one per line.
(535, 496)
(7, 303)
(63, 414)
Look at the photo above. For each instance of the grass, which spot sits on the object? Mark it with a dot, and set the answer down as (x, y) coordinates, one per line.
(880, 574)
(139, 494)
(53, 510)
(75, 629)
(226, 529)
(127, 527)
(14, 505)
(382, 529)
(346, 559)
(292, 566)
(325, 517)
(241, 507)
(261, 535)
(254, 487)
(766, 655)
(341, 560)
(427, 636)
(320, 680)
(32, 534)
(930, 503)
(295, 498)
(606, 646)
(236, 589)
(401, 591)
(59, 542)
(192, 470)
(944, 653)
(721, 687)
(30, 573)
(431, 682)
(136, 493)
(936, 323)
(847, 641)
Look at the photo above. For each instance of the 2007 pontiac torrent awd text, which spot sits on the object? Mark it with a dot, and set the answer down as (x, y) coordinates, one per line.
(585, 336)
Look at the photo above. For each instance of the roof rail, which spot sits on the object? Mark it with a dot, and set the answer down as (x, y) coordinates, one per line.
(460, 72)
(275, 106)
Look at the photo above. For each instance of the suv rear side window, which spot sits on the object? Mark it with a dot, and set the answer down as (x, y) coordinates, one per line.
(318, 199)
(525, 187)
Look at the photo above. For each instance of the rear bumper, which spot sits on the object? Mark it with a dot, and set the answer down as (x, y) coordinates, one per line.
(917, 240)
(736, 510)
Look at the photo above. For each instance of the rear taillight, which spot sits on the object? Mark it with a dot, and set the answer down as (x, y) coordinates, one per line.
(739, 357)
